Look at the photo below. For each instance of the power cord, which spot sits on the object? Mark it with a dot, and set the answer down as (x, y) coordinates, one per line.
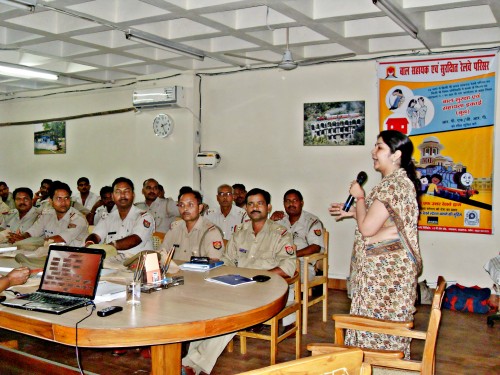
(77, 350)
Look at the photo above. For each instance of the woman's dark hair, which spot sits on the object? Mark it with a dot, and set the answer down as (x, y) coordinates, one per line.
(398, 141)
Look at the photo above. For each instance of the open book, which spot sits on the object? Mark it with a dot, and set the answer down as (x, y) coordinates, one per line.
(230, 279)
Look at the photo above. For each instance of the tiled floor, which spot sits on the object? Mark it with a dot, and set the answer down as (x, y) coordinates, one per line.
(465, 346)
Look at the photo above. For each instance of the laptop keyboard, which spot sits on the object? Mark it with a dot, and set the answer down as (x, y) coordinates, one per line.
(62, 301)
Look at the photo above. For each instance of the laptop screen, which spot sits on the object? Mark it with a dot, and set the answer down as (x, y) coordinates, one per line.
(72, 271)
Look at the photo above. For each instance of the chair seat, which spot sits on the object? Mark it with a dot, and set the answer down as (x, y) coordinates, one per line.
(390, 358)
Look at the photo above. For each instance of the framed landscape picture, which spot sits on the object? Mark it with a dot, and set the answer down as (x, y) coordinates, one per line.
(50, 138)
(334, 123)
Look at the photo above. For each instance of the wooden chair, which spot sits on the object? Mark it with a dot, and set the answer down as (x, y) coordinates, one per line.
(307, 285)
(274, 337)
(348, 361)
(157, 240)
(392, 359)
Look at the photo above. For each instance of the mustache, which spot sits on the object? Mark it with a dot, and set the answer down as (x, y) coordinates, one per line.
(256, 211)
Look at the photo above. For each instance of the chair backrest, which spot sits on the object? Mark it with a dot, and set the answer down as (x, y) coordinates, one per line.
(344, 362)
(429, 355)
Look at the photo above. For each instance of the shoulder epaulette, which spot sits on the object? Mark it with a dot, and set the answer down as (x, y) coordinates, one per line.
(175, 223)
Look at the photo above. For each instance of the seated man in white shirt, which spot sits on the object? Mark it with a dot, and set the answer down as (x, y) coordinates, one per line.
(164, 210)
(42, 195)
(86, 198)
(102, 207)
(227, 216)
(306, 228)
(128, 229)
(21, 218)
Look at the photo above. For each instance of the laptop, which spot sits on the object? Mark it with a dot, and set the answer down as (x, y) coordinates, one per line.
(69, 281)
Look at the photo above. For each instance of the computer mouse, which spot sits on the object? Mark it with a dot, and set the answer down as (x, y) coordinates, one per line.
(261, 278)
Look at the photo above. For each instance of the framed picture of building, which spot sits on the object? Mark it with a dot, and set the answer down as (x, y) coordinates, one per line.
(334, 123)
(50, 138)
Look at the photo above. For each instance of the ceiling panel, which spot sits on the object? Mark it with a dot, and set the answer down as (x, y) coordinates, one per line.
(84, 40)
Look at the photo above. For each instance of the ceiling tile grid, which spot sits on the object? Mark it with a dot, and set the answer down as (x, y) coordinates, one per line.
(85, 40)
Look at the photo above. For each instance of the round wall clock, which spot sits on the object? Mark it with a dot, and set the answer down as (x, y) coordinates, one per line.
(163, 125)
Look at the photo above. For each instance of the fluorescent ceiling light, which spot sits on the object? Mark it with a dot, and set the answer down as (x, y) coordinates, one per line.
(397, 17)
(157, 42)
(28, 5)
(20, 71)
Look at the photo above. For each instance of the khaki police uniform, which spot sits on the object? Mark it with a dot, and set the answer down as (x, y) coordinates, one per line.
(164, 211)
(205, 239)
(270, 248)
(72, 227)
(308, 230)
(227, 223)
(3, 207)
(12, 222)
(138, 222)
(10, 201)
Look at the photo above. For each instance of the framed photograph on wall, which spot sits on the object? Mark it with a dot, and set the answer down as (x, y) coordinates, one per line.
(334, 123)
(50, 138)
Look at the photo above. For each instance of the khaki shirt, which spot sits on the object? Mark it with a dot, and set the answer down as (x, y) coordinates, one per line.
(308, 230)
(10, 201)
(227, 223)
(73, 227)
(270, 248)
(205, 239)
(137, 222)
(11, 220)
(163, 210)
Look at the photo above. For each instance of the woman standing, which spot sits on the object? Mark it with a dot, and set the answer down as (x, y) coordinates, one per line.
(386, 257)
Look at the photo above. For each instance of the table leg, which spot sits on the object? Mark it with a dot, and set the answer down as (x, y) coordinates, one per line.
(166, 359)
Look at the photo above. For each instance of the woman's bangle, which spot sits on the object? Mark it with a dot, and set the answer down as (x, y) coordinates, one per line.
(360, 198)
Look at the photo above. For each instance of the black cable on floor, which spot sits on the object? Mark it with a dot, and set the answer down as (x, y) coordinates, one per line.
(76, 338)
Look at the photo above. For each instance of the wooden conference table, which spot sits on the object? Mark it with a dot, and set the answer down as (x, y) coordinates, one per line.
(198, 309)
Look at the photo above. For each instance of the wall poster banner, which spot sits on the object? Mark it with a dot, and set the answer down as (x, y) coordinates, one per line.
(446, 105)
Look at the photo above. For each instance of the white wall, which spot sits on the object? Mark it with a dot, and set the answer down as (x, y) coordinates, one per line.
(103, 147)
(254, 119)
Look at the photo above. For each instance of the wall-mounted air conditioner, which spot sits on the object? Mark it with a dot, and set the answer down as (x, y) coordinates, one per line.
(161, 97)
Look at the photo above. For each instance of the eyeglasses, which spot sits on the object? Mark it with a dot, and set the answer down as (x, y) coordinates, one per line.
(224, 194)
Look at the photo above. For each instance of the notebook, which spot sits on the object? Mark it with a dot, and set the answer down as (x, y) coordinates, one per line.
(232, 280)
(69, 281)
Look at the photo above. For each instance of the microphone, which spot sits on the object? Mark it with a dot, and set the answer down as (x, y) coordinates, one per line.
(360, 180)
